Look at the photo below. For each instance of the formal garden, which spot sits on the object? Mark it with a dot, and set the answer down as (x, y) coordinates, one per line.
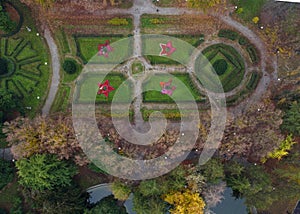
(257, 160)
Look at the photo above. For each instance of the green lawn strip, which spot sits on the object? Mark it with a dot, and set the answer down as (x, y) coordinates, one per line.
(9, 194)
(89, 88)
(250, 9)
(62, 98)
(170, 114)
(179, 94)
(87, 48)
(164, 3)
(62, 40)
(117, 113)
(151, 46)
(27, 49)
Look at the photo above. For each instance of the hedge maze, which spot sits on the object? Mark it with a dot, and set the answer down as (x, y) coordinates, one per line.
(228, 63)
(27, 71)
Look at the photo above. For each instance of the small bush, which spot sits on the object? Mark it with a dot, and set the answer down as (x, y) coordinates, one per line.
(229, 34)
(3, 66)
(118, 21)
(220, 66)
(6, 173)
(243, 41)
(252, 53)
(70, 66)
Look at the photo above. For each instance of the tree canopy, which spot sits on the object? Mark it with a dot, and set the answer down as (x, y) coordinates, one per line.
(42, 172)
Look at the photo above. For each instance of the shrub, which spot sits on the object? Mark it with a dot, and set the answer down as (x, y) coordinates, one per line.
(243, 41)
(229, 34)
(118, 21)
(252, 53)
(220, 66)
(156, 21)
(3, 66)
(6, 173)
(70, 66)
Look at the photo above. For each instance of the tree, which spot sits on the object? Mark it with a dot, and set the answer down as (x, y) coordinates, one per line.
(150, 188)
(7, 102)
(70, 66)
(213, 171)
(6, 173)
(282, 151)
(185, 202)
(148, 205)
(120, 190)
(42, 172)
(291, 120)
(6, 24)
(54, 135)
(107, 205)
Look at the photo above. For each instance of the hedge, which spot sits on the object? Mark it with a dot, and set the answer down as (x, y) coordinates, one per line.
(243, 40)
(253, 82)
(229, 34)
(70, 66)
(252, 53)
(19, 25)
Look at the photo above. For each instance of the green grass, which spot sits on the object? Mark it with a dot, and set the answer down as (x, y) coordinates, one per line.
(29, 53)
(231, 78)
(87, 48)
(137, 67)
(62, 40)
(170, 114)
(62, 98)
(250, 8)
(151, 46)
(164, 3)
(180, 81)
(88, 88)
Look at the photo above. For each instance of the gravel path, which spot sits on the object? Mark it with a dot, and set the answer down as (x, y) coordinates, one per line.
(55, 64)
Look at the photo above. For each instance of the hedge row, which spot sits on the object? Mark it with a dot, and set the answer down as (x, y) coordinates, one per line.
(253, 82)
(19, 25)
(228, 34)
(15, 88)
(252, 53)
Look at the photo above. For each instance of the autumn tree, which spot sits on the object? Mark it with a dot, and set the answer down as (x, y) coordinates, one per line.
(45, 172)
(213, 194)
(185, 202)
(44, 135)
(120, 190)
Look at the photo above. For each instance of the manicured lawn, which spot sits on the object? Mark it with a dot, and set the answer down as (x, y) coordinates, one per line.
(151, 46)
(88, 89)
(180, 81)
(171, 114)
(87, 48)
(234, 73)
(62, 98)
(250, 8)
(28, 53)
(137, 67)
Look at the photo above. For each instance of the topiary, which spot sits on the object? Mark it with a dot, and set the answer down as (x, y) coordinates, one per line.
(220, 66)
(70, 66)
(3, 66)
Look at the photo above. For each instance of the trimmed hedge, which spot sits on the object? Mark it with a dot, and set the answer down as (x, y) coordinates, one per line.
(70, 66)
(243, 40)
(252, 53)
(220, 66)
(253, 82)
(229, 34)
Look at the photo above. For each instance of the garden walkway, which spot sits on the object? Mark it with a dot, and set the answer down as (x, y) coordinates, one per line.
(55, 64)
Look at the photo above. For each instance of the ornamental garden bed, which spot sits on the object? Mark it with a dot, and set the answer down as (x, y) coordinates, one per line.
(87, 48)
(228, 64)
(87, 90)
(27, 71)
(180, 93)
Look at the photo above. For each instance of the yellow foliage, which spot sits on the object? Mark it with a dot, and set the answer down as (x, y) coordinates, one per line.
(282, 151)
(185, 202)
(255, 20)
(118, 21)
(156, 21)
(203, 4)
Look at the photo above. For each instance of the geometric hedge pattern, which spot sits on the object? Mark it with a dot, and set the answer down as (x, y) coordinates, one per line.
(27, 73)
(235, 68)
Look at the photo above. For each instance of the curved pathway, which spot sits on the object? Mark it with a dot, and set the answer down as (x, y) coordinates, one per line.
(55, 64)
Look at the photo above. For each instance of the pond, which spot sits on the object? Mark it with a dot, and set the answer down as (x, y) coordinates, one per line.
(230, 205)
